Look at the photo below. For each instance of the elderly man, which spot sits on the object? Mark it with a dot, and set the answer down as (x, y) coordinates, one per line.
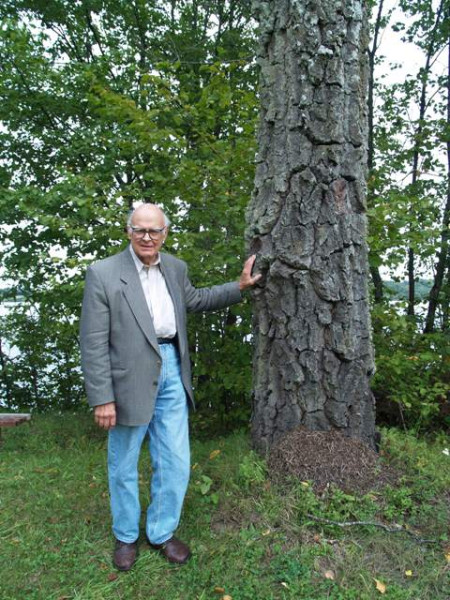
(137, 373)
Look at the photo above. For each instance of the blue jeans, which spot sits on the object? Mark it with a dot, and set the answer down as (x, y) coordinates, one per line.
(169, 451)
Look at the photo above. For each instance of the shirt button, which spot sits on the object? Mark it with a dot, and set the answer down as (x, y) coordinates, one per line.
(155, 383)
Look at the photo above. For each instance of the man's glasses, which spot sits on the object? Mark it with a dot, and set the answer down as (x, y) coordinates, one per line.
(153, 234)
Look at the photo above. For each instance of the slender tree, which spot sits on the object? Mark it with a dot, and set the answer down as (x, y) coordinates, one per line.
(306, 221)
(377, 29)
(443, 254)
(431, 48)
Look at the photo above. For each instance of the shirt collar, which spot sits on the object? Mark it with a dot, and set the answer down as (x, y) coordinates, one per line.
(138, 262)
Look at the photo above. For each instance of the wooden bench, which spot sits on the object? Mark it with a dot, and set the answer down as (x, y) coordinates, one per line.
(13, 419)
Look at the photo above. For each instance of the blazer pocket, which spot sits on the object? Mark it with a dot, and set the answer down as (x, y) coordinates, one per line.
(119, 371)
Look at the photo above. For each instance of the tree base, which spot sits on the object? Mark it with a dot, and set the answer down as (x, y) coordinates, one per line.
(326, 458)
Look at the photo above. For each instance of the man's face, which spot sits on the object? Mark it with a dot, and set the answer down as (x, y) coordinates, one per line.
(147, 246)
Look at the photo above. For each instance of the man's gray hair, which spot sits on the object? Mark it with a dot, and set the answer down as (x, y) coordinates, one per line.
(131, 213)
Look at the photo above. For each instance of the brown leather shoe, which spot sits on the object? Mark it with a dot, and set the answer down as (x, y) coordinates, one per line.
(124, 555)
(174, 550)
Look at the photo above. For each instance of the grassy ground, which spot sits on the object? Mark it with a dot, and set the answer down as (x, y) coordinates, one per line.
(251, 538)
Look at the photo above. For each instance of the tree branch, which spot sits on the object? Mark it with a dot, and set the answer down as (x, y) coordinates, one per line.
(395, 529)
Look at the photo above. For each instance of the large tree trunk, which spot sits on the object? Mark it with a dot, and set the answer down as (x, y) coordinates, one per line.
(313, 355)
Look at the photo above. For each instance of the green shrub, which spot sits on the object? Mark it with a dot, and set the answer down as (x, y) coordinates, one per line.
(412, 369)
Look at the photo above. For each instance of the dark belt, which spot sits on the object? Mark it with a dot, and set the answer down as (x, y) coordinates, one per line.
(166, 340)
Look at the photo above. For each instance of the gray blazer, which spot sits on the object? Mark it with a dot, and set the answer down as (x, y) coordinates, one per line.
(119, 351)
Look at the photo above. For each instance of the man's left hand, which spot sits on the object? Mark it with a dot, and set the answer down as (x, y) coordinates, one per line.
(246, 279)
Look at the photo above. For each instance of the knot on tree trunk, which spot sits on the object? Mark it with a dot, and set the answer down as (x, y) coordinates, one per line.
(339, 191)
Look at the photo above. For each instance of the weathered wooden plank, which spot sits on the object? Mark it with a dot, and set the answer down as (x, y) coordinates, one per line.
(11, 419)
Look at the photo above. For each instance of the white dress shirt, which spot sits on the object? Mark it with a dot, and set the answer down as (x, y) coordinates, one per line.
(157, 295)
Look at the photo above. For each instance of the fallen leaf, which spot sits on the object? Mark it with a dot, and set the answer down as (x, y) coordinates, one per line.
(305, 484)
(329, 575)
(213, 454)
(112, 576)
(227, 597)
(447, 557)
(284, 584)
(316, 538)
(381, 587)
(219, 590)
(266, 532)
(408, 573)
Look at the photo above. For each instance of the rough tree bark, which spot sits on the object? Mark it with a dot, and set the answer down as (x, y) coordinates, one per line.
(306, 222)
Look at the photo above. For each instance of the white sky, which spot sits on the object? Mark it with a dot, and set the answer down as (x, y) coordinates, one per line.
(406, 55)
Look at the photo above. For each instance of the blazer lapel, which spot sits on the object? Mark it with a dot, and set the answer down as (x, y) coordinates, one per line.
(174, 291)
(134, 294)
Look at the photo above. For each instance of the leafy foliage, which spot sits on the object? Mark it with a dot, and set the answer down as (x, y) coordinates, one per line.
(412, 370)
(409, 211)
(104, 105)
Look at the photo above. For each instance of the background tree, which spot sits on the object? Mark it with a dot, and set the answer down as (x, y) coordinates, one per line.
(409, 177)
(378, 25)
(442, 263)
(313, 354)
(104, 104)
(409, 217)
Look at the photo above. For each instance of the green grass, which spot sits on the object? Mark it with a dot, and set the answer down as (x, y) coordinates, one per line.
(250, 537)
